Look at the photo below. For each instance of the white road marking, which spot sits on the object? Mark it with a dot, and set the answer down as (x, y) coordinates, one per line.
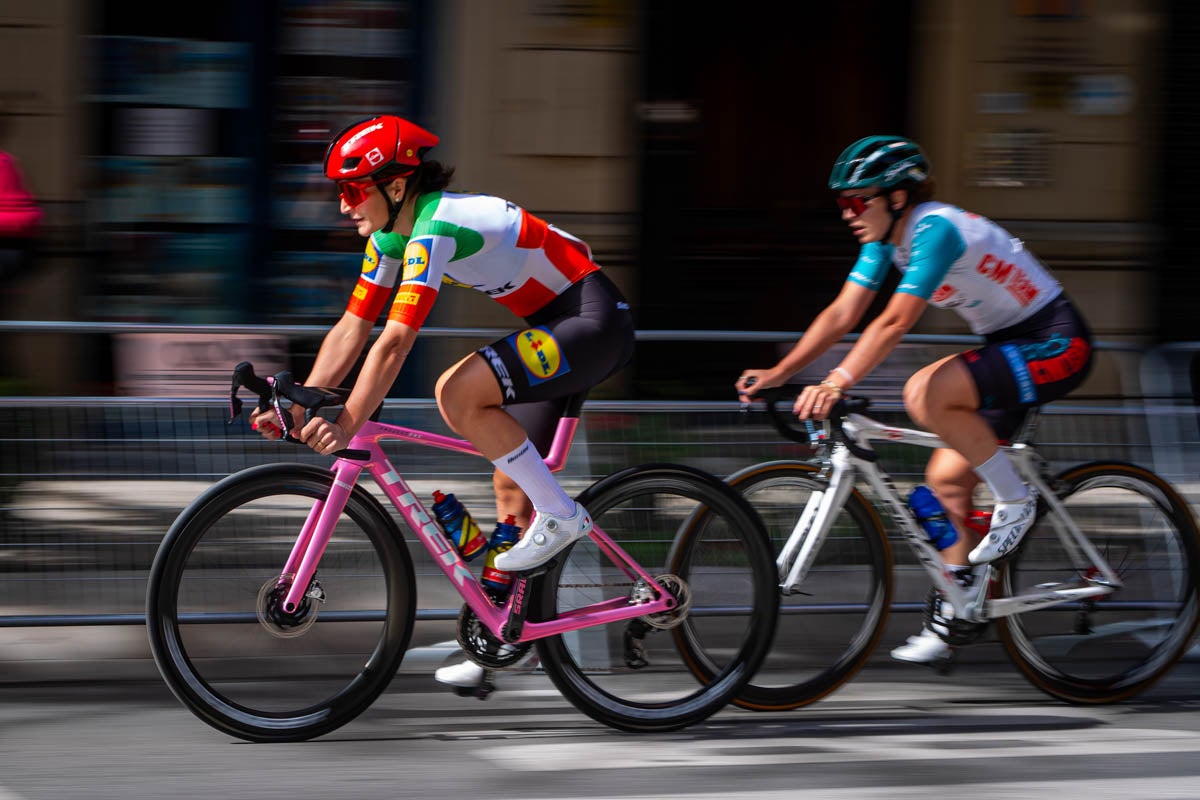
(644, 753)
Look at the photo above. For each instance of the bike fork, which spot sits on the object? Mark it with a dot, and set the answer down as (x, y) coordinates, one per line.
(314, 536)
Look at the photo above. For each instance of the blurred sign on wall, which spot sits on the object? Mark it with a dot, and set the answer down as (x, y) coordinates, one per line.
(191, 364)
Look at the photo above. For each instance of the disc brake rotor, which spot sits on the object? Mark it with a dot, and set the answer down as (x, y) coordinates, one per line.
(279, 623)
(678, 588)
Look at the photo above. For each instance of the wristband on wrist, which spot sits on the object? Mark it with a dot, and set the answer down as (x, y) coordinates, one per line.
(840, 391)
(845, 373)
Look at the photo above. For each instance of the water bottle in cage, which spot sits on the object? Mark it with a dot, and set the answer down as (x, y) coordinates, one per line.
(932, 516)
(459, 525)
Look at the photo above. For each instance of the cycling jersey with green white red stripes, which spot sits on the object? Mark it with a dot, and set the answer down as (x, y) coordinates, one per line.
(474, 240)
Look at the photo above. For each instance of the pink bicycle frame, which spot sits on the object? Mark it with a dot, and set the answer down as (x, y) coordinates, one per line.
(314, 536)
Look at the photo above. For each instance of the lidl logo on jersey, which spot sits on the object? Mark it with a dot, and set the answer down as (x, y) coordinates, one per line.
(416, 260)
(540, 355)
(370, 264)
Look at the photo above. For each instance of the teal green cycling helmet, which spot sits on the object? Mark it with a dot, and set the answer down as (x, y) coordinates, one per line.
(884, 161)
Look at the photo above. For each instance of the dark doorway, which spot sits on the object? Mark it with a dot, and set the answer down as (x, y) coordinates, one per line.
(744, 115)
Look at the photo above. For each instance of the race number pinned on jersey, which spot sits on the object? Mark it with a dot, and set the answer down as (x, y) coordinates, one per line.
(540, 355)
(416, 260)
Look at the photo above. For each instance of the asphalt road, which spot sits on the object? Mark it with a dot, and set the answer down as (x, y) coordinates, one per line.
(895, 732)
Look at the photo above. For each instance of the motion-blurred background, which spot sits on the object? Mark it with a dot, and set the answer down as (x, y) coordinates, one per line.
(176, 150)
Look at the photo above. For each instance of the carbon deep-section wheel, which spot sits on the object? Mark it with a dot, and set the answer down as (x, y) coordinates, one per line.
(219, 633)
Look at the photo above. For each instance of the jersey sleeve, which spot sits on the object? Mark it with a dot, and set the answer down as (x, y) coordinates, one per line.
(375, 284)
(874, 258)
(425, 260)
(936, 245)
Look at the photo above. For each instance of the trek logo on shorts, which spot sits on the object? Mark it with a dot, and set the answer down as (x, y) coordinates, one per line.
(501, 371)
(540, 355)
(416, 260)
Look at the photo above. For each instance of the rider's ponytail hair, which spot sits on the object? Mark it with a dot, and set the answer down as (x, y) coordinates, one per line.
(430, 176)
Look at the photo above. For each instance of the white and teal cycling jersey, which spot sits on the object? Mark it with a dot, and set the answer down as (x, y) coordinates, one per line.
(959, 260)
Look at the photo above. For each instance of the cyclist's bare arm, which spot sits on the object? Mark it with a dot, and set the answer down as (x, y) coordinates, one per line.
(338, 351)
(378, 373)
(878, 340)
(835, 321)
(884, 332)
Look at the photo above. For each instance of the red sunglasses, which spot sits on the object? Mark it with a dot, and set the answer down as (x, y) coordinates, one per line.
(857, 203)
(355, 193)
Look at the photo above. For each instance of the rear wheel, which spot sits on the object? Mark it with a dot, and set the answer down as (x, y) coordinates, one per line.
(214, 615)
(636, 675)
(1108, 649)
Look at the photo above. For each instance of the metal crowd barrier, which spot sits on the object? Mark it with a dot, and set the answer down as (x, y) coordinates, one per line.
(89, 485)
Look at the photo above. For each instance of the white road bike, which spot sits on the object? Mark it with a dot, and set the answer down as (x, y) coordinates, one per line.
(1097, 603)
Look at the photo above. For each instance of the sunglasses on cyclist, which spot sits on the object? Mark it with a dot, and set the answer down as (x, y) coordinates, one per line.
(857, 203)
(355, 193)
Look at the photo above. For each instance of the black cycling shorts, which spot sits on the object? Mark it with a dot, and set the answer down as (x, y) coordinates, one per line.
(1030, 363)
(573, 343)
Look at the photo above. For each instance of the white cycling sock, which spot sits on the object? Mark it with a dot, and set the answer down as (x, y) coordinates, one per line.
(525, 466)
(1002, 478)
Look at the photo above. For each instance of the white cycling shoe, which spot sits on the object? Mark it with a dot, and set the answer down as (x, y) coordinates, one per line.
(1010, 523)
(927, 648)
(546, 537)
(464, 675)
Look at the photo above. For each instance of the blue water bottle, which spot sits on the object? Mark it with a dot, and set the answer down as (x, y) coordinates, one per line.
(932, 517)
(459, 525)
(497, 581)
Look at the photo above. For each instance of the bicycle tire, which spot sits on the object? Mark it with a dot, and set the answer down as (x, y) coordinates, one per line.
(243, 671)
(1115, 647)
(851, 582)
(734, 601)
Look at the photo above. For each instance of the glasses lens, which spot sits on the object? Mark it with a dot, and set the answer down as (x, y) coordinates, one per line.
(855, 202)
(354, 193)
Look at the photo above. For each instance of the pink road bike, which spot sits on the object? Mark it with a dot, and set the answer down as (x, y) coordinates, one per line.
(283, 598)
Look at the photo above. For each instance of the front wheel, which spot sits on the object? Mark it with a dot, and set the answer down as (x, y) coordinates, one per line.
(637, 675)
(830, 627)
(1108, 649)
(218, 632)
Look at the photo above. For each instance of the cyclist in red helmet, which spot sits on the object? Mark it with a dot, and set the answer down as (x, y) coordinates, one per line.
(505, 398)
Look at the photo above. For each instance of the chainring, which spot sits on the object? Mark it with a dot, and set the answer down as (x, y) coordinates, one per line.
(961, 631)
(483, 647)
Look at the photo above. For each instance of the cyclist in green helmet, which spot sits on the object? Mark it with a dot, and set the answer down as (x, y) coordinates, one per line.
(1037, 346)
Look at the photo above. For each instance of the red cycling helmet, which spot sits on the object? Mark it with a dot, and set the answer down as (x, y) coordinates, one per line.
(373, 151)
(377, 148)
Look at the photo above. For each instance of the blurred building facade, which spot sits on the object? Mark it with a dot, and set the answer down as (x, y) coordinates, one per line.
(178, 154)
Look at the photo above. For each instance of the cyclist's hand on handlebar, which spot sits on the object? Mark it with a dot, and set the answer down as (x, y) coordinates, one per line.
(323, 436)
(751, 382)
(267, 423)
(816, 401)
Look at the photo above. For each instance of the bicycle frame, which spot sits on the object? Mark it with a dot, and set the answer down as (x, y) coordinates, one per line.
(843, 468)
(318, 527)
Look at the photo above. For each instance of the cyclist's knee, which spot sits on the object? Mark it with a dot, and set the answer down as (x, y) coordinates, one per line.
(916, 398)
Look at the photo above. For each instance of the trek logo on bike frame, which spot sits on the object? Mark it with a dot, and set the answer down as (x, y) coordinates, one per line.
(438, 543)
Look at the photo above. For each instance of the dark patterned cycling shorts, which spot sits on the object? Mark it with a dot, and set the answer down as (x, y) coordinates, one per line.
(576, 341)
(1030, 363)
